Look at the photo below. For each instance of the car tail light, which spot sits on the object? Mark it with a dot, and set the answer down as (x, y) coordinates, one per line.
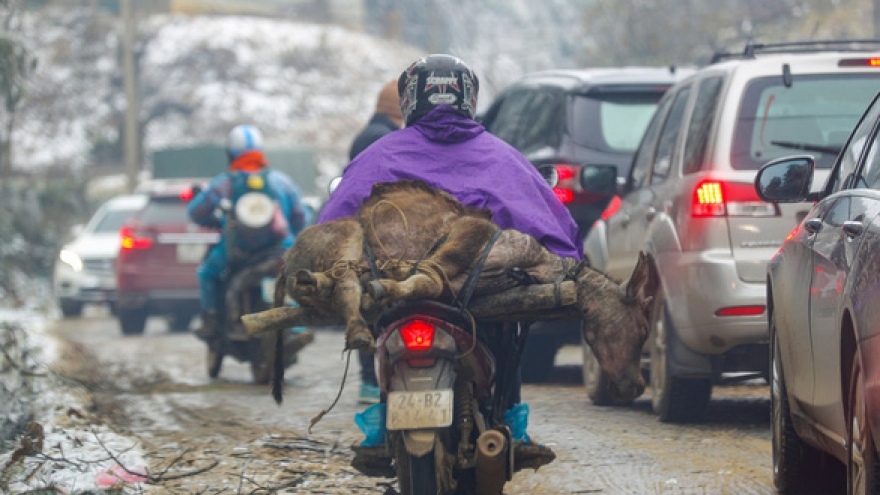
(186, 195)
(730, 199)
(612, 208)
(568, 176)
(741, 311)
(131, 241)
(418, 335)
(859, 62)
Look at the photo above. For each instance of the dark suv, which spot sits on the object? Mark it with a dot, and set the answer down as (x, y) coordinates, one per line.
(570, 119)
(156, 265)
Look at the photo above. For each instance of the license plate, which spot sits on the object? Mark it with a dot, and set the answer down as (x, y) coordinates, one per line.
(422, 409)
(191, 253)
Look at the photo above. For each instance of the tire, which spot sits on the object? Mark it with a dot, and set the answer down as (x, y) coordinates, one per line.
(214, 357)
(596, 382)
(862, 463)
(132, 321)
(179, 322)
(538, 359)
(71, 309)
(796, 465)
(415, 475)
(262, 357)
(673, 399)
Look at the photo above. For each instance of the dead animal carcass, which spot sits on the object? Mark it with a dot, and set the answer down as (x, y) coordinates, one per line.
(412, 241)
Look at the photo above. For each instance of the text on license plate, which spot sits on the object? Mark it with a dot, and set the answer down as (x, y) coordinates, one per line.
(422, 409)
(191, 253)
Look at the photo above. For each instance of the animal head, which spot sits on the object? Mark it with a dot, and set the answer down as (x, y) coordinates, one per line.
(616, 323)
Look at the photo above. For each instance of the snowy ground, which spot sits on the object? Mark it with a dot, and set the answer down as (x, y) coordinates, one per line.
(63, 448)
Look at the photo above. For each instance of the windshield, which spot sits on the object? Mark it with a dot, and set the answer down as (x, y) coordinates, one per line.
(814, 115)
(612, 122)
(113, 220)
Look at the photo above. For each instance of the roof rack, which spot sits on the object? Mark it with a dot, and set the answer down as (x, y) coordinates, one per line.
(752, 49)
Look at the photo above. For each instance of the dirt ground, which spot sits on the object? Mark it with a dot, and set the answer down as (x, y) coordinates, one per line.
(227, 436)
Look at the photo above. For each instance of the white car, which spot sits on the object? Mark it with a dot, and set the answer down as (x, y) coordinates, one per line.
(84, 270)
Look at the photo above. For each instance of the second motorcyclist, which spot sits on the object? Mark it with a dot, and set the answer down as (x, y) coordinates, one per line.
(248, 169)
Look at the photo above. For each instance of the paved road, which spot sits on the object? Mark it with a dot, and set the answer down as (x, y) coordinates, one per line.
(167, 400)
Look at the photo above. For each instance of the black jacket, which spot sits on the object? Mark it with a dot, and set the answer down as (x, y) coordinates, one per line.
(379, 125)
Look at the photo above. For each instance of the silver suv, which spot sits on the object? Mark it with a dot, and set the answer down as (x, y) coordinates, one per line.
(689, 202)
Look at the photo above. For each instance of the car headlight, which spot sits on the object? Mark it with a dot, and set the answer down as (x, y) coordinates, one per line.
(72, 259)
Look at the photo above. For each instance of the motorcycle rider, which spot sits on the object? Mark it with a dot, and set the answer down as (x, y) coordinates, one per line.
(445, 147)
(247, 165)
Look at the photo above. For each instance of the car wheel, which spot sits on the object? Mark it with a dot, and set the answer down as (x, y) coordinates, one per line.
(673, 399)
(132, 321)
(795, 464)
(596, 382)
(538, 359)
(863, 465)
(70, 309)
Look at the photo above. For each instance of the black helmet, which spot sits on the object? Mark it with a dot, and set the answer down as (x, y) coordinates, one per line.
(436, 80)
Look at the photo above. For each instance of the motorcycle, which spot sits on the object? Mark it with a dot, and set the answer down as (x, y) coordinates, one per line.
(443, 426)
(248, 286)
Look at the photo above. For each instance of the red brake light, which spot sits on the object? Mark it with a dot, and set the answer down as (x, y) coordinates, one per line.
(612, 208)
(187, 194)
(418, 335)
(130, 241)
(859, 62)
(741, 311)
(735, 199)
(567, 185)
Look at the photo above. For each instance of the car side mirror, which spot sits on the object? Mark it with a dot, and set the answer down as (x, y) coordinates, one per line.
(599, 179)
(786, 180)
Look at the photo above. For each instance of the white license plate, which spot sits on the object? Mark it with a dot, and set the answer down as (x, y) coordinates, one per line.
(422, 409)
(191, 253)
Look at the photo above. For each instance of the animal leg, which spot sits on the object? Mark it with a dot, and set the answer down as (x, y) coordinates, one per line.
(347, 298)
(464, 243)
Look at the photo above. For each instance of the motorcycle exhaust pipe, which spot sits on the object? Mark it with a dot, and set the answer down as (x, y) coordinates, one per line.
(492, 462)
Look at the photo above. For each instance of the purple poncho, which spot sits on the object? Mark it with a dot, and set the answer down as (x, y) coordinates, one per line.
(456, 154)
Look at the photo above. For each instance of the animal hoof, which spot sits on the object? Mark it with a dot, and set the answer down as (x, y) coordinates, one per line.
(376, 290)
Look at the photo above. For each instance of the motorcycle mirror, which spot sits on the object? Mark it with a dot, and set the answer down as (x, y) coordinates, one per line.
(334, 183)
(550, 174)
(599, 179)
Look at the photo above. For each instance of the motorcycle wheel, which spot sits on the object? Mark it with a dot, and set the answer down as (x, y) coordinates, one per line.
(262, 358)
(215, 358)
(415, 475)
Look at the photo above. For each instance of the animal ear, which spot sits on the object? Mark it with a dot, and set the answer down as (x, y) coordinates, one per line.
(640, 277)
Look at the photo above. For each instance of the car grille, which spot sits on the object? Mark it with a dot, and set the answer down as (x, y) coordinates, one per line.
(99, 265)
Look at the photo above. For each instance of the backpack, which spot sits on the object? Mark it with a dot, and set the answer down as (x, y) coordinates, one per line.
(255, 220)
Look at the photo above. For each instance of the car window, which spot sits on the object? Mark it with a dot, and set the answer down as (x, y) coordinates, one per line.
(849, 158)
(164, 211)
(509, 115)
(113, 220)
(544, 113)
(701, 120)
(814, 114)
(613, 121)
(668, 137)
(645, 152)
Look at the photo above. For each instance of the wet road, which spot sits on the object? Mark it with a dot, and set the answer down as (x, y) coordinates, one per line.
(167, 399)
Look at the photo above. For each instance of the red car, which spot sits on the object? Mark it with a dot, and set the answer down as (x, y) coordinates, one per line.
(156, 266)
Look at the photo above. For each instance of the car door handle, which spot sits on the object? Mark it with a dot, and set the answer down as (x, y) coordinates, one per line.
(853, 228)
(650, 213)
(813, 225)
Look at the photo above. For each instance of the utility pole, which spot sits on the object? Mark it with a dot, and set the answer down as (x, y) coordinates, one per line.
(132, 147)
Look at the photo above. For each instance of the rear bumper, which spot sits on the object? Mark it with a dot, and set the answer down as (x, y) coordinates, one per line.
(161, 301)
(698, 284)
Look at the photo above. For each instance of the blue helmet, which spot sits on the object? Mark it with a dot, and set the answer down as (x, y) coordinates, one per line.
(243, 138)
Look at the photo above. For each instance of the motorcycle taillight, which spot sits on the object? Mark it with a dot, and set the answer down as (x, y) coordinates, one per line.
(418, 335)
